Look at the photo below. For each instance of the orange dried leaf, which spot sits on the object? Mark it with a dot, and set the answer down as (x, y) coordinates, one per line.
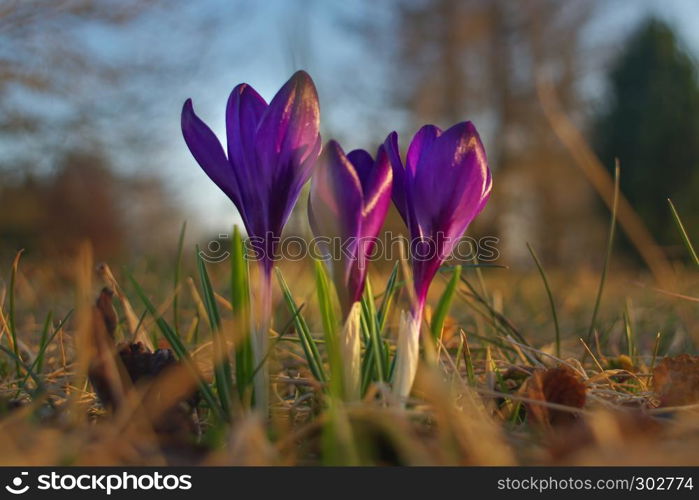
(676, 380)
(561, 386)
(619, 429)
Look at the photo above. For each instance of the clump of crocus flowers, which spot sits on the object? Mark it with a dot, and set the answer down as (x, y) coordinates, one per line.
(272, 151)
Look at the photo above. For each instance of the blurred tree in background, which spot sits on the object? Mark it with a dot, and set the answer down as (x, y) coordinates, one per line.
(67, 173)
(90, 93)
(651, 123)
(479, 60)
(51, 70)
(83, 199)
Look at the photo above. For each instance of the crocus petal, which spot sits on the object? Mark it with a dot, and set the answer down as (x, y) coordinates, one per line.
(449, 188)
(207, 151)
(376, 191)
(446, 183)
(289, 125)
(363, 164)
(286, 145)
(399, 176)
(377, 187)
(404, 175)
(480, 184)
(336, 194)
(335, 211)
(450, 180)
(243, 114)
(300, 176)
(487, 188)
(350, 196)
(420, 145)
(402, 185)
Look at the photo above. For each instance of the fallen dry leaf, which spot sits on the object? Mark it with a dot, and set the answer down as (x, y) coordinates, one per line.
(676, 380)
(561, 386)
(604, 429)
(115, 369)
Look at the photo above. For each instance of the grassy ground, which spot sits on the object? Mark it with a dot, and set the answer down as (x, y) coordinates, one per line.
(495, 388)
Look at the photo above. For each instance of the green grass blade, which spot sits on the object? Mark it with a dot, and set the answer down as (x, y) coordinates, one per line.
(388, 294)
(279, 338)
(308, 343)
(366, 332)
(11, 314)
(607, 257)
(178, 347)
(338, 442)
(656, 348)
(176, 281)
(39, 384)
(552, 303)
(685, 237)
(326, 304)
(442, 309)
(240, 277)
(208, 293)
(392, 369)
(500, 323)
(468, 360)
(372, 324)
(629, 331)
(37, 365)
(368, 367)
(222, 365)
(240, 300)
(39, 361)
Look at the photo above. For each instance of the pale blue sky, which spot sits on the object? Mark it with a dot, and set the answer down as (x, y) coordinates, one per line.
(262, 43)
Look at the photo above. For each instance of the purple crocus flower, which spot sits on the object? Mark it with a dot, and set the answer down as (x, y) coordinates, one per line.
(271, 150)
(350, 196)
(444, 183)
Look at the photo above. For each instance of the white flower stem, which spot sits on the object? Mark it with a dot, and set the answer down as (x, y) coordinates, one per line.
(407, 353)
(350, 345)
(260, 343)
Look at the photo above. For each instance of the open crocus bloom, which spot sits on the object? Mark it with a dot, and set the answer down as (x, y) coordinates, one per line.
(350, 196)
(271, 150)
(444, 183)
